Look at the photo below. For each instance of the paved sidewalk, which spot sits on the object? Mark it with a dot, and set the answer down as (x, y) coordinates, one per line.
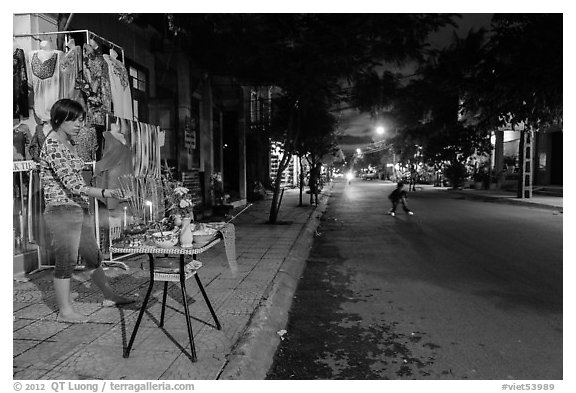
(502, 196)
(251, 307)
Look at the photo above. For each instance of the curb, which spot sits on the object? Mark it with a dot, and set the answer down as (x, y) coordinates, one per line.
(507, 200)
(253, 354)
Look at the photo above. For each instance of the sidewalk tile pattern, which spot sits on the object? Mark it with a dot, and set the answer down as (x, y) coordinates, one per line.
(46, 349)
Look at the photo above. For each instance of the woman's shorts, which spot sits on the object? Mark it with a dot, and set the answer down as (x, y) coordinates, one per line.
(72, 230)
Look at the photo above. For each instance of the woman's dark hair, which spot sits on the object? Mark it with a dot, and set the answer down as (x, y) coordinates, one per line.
(65, 110)
(400, 184)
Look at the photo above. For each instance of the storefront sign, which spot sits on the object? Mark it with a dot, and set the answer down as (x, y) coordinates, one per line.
(191, 180)
(189, 134)
(23, 166)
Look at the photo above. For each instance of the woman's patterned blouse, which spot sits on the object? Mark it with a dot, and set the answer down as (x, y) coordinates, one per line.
(61, 175)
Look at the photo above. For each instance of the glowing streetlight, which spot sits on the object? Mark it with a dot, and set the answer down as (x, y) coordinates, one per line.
(358, 151)
(380, 130)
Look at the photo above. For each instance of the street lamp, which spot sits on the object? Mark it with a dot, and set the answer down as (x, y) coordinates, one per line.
(380, 130)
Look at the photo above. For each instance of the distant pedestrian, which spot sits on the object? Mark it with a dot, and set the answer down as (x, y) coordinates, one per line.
(397, 196)
(413, 180)
(314, 182)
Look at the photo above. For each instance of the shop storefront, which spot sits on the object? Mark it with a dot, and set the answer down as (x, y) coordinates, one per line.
(143, 96)
(118, 150)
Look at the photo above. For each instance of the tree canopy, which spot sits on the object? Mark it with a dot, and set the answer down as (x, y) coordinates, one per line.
(311, 57)
(519, 78)
(507, 75)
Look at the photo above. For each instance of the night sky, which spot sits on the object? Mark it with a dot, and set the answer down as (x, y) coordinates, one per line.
(357, 129)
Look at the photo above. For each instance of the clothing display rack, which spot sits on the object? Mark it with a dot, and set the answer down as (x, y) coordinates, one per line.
(88, 33)
(120, 50)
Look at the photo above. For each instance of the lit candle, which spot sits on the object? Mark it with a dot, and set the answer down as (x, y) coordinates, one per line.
(149, 203)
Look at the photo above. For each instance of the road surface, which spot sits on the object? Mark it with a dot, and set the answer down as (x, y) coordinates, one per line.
(463, 289)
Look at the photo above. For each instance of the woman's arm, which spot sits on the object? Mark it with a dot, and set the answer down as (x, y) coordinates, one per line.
(59, 159)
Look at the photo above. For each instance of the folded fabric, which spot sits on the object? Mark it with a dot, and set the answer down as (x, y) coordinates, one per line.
(228, 232)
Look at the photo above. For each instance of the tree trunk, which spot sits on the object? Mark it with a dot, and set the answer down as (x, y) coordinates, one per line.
(291, 138)
(301, 180)
(63, 21)
(277, 182)
(519, 189)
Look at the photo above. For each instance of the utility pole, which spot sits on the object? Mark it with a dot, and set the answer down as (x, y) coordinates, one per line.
(526, 152)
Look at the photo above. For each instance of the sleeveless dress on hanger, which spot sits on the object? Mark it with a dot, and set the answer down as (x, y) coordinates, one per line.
(37, 230)
(45, 82)
(20, 86)
(120, 88)
(70, 70)
(100, 103)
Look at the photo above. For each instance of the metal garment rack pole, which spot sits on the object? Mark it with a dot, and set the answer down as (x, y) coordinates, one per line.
(25, 207)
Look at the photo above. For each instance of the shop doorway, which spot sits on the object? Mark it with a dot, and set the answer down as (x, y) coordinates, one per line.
(230, 154)
(556, 158)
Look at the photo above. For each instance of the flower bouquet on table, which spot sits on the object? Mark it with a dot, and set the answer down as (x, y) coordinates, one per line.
(177, 198)
(179, 214)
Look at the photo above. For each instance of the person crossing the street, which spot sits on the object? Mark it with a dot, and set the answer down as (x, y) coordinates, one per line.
(399, 195)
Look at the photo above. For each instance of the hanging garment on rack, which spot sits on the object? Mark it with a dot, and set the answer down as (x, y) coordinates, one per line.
(97, 75)
(116, 161)
(86, 143)
(154, 159)
(45, 80)
(37, 232)
(155, 151)
(145, 148)
(70, 71)
(144, 144)
(21, 138)
(37, 141)
(120, 88)
(135, 146)
(20, 96)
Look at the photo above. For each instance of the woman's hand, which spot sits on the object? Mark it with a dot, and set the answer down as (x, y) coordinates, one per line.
(118, 194)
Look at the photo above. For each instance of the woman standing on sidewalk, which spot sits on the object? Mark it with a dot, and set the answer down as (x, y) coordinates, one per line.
(66, 214)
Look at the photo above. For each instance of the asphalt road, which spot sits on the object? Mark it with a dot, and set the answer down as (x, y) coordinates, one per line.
(463, 289)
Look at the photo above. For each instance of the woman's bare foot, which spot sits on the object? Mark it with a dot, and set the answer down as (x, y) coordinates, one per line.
(71, 317)
(117, 300)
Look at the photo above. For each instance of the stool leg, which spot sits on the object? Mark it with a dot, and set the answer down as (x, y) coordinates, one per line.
(163, 303)
(187, 313)
(142, 310)
(207, 301)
